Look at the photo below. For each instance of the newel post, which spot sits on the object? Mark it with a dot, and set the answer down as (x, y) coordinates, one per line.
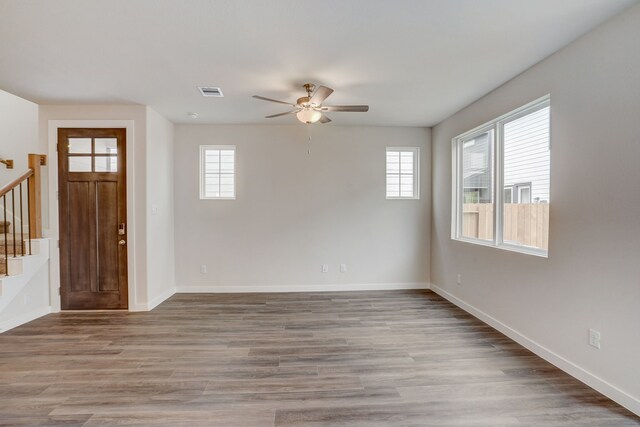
(35, 195)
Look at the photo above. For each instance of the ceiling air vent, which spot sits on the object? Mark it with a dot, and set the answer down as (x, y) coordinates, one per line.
(210, 91)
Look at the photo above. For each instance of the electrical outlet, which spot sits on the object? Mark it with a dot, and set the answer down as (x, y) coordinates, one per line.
(325, 268)
(459, 279)
(203, 269)
(594, 338)
(343, 268)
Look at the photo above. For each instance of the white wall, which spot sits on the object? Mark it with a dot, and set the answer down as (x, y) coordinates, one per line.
(592, 276)
(19, 130)
(296, 211)
(160, 219)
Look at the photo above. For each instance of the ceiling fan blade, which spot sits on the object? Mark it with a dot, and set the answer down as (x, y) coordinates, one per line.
(346, 108)
(324, 119)
(320, 95)
(273, 100)
(282, 114)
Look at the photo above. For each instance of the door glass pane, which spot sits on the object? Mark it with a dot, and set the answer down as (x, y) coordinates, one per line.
(80, 145)
(477, 191)
(106, 164)
(527, 169)
(106, 145)
(80, 164)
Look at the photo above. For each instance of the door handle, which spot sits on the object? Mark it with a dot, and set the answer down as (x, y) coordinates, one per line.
(122, 242)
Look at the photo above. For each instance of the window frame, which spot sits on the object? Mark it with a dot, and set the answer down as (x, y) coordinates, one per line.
(203, 149)
(457, 199)
(416, 172)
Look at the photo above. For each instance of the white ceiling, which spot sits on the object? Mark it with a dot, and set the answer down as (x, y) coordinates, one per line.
(415, 62)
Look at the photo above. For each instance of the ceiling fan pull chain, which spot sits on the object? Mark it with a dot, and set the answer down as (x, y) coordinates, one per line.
(309, 146)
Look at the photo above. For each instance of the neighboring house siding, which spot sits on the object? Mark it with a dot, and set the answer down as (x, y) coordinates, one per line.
(527, 155)
(477, 162)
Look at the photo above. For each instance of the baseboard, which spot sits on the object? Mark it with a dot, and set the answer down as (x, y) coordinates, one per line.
(148, 306)
(23, 318)
(300, 288)
(593, 381)
(161, 298)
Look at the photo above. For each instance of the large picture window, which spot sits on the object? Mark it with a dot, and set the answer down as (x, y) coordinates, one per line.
(501, 176)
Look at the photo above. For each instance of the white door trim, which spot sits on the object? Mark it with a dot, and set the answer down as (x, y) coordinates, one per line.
(53, 231)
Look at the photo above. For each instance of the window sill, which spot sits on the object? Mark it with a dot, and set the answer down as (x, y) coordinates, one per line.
(403, 198)
(506, 247)
(217, 198)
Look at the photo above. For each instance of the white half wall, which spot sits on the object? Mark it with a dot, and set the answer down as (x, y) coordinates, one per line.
(296, 211)
(592, 276)
(31, 302)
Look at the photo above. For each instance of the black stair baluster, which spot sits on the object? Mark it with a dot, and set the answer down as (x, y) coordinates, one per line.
(6, 245)
(13, 224)
(21, 223)
(29, 213)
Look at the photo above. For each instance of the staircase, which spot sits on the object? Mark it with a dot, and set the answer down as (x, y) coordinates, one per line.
(12, 249)
(23, 252)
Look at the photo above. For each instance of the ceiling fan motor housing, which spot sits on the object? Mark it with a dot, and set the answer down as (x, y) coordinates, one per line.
(304, 101)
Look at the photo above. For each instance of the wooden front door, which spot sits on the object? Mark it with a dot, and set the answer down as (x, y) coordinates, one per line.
(93, 218)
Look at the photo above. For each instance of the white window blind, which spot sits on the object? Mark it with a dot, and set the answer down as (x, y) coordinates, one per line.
(217, 172)
(402, 173)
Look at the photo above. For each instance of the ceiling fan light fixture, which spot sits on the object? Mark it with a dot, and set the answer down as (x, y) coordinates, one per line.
(308, 115)
(309, 109)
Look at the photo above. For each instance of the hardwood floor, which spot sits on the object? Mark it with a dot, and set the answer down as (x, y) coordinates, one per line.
(397, 358)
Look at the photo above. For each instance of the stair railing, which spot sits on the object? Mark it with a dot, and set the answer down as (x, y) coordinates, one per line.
(26, 189)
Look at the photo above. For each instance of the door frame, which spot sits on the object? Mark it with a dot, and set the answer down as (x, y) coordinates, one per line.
(53, 215)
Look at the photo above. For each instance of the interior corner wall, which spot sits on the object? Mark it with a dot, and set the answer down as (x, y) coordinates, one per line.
(160, 206)
(138, 115)
(592, 276)
(296, 211)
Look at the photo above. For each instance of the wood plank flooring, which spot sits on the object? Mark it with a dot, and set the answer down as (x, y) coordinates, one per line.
(370, 359)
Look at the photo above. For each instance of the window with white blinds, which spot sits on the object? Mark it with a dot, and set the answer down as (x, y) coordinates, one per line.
(402, 173)
(217, 172)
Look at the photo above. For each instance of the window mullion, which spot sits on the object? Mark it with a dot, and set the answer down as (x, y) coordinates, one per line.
(499, 183)
(460, 187)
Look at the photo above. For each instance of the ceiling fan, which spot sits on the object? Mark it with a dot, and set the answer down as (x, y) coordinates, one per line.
(309, 109)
